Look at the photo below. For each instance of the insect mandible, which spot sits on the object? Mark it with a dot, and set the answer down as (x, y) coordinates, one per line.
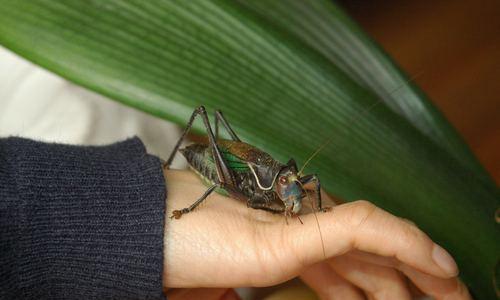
(242, 171)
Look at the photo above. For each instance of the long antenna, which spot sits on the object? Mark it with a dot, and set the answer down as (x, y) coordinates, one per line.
(315, 216)
(371, 107)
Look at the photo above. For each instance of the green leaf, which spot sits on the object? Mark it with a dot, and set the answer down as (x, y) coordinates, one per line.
(288, 76)
(330, 32)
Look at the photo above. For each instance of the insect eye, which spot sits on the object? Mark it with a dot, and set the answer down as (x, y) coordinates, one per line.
(283, 179)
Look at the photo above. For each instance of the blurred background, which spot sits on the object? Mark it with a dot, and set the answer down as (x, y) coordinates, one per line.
(453, 48)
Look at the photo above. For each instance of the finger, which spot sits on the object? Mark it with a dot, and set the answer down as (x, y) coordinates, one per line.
(371, 258)
(377, 282)
(361, 225)
(329, 285)
(439, 288)
(432, 285)
(389, 262)
(203, 293)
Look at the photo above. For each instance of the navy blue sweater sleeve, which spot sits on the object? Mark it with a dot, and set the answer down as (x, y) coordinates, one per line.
(80, 222)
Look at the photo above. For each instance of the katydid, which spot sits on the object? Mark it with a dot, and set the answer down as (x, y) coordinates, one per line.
(241, 171)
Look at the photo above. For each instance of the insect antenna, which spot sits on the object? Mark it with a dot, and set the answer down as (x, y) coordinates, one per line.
(328, 141)
(315, 216)
(371, 107)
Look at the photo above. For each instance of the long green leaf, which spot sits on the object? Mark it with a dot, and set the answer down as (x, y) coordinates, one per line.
(283, 93)
(326, 29)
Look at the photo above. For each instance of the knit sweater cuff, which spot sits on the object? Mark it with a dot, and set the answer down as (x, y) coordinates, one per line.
(80, 222)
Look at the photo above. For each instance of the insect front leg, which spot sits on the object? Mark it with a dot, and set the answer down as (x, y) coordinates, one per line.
(314, 178)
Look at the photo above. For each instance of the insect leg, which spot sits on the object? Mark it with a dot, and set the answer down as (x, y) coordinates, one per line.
(178, 213)
(223, 173)
(219, 117)
(224, 176)
(179, 142)
(310, 178)
(264, 206)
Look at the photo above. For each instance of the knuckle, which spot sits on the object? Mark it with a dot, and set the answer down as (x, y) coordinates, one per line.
(411, 236)
(363, 204)
(362, 211)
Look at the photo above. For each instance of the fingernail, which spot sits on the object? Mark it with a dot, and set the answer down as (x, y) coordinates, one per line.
(444, 260)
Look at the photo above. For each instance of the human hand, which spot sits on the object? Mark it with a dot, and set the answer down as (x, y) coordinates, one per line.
(224, 244)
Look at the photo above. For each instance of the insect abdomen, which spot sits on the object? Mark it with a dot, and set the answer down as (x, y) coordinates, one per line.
(199, 158)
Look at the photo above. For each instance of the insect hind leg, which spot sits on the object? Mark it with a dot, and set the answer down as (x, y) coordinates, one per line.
(225, 178)
(178, 213)
(183, 136)
(219, 117)
(223, 173)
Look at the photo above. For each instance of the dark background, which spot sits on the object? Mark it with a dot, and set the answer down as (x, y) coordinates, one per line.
(454, 46)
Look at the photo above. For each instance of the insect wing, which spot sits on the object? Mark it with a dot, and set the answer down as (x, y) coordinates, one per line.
(245, 157)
